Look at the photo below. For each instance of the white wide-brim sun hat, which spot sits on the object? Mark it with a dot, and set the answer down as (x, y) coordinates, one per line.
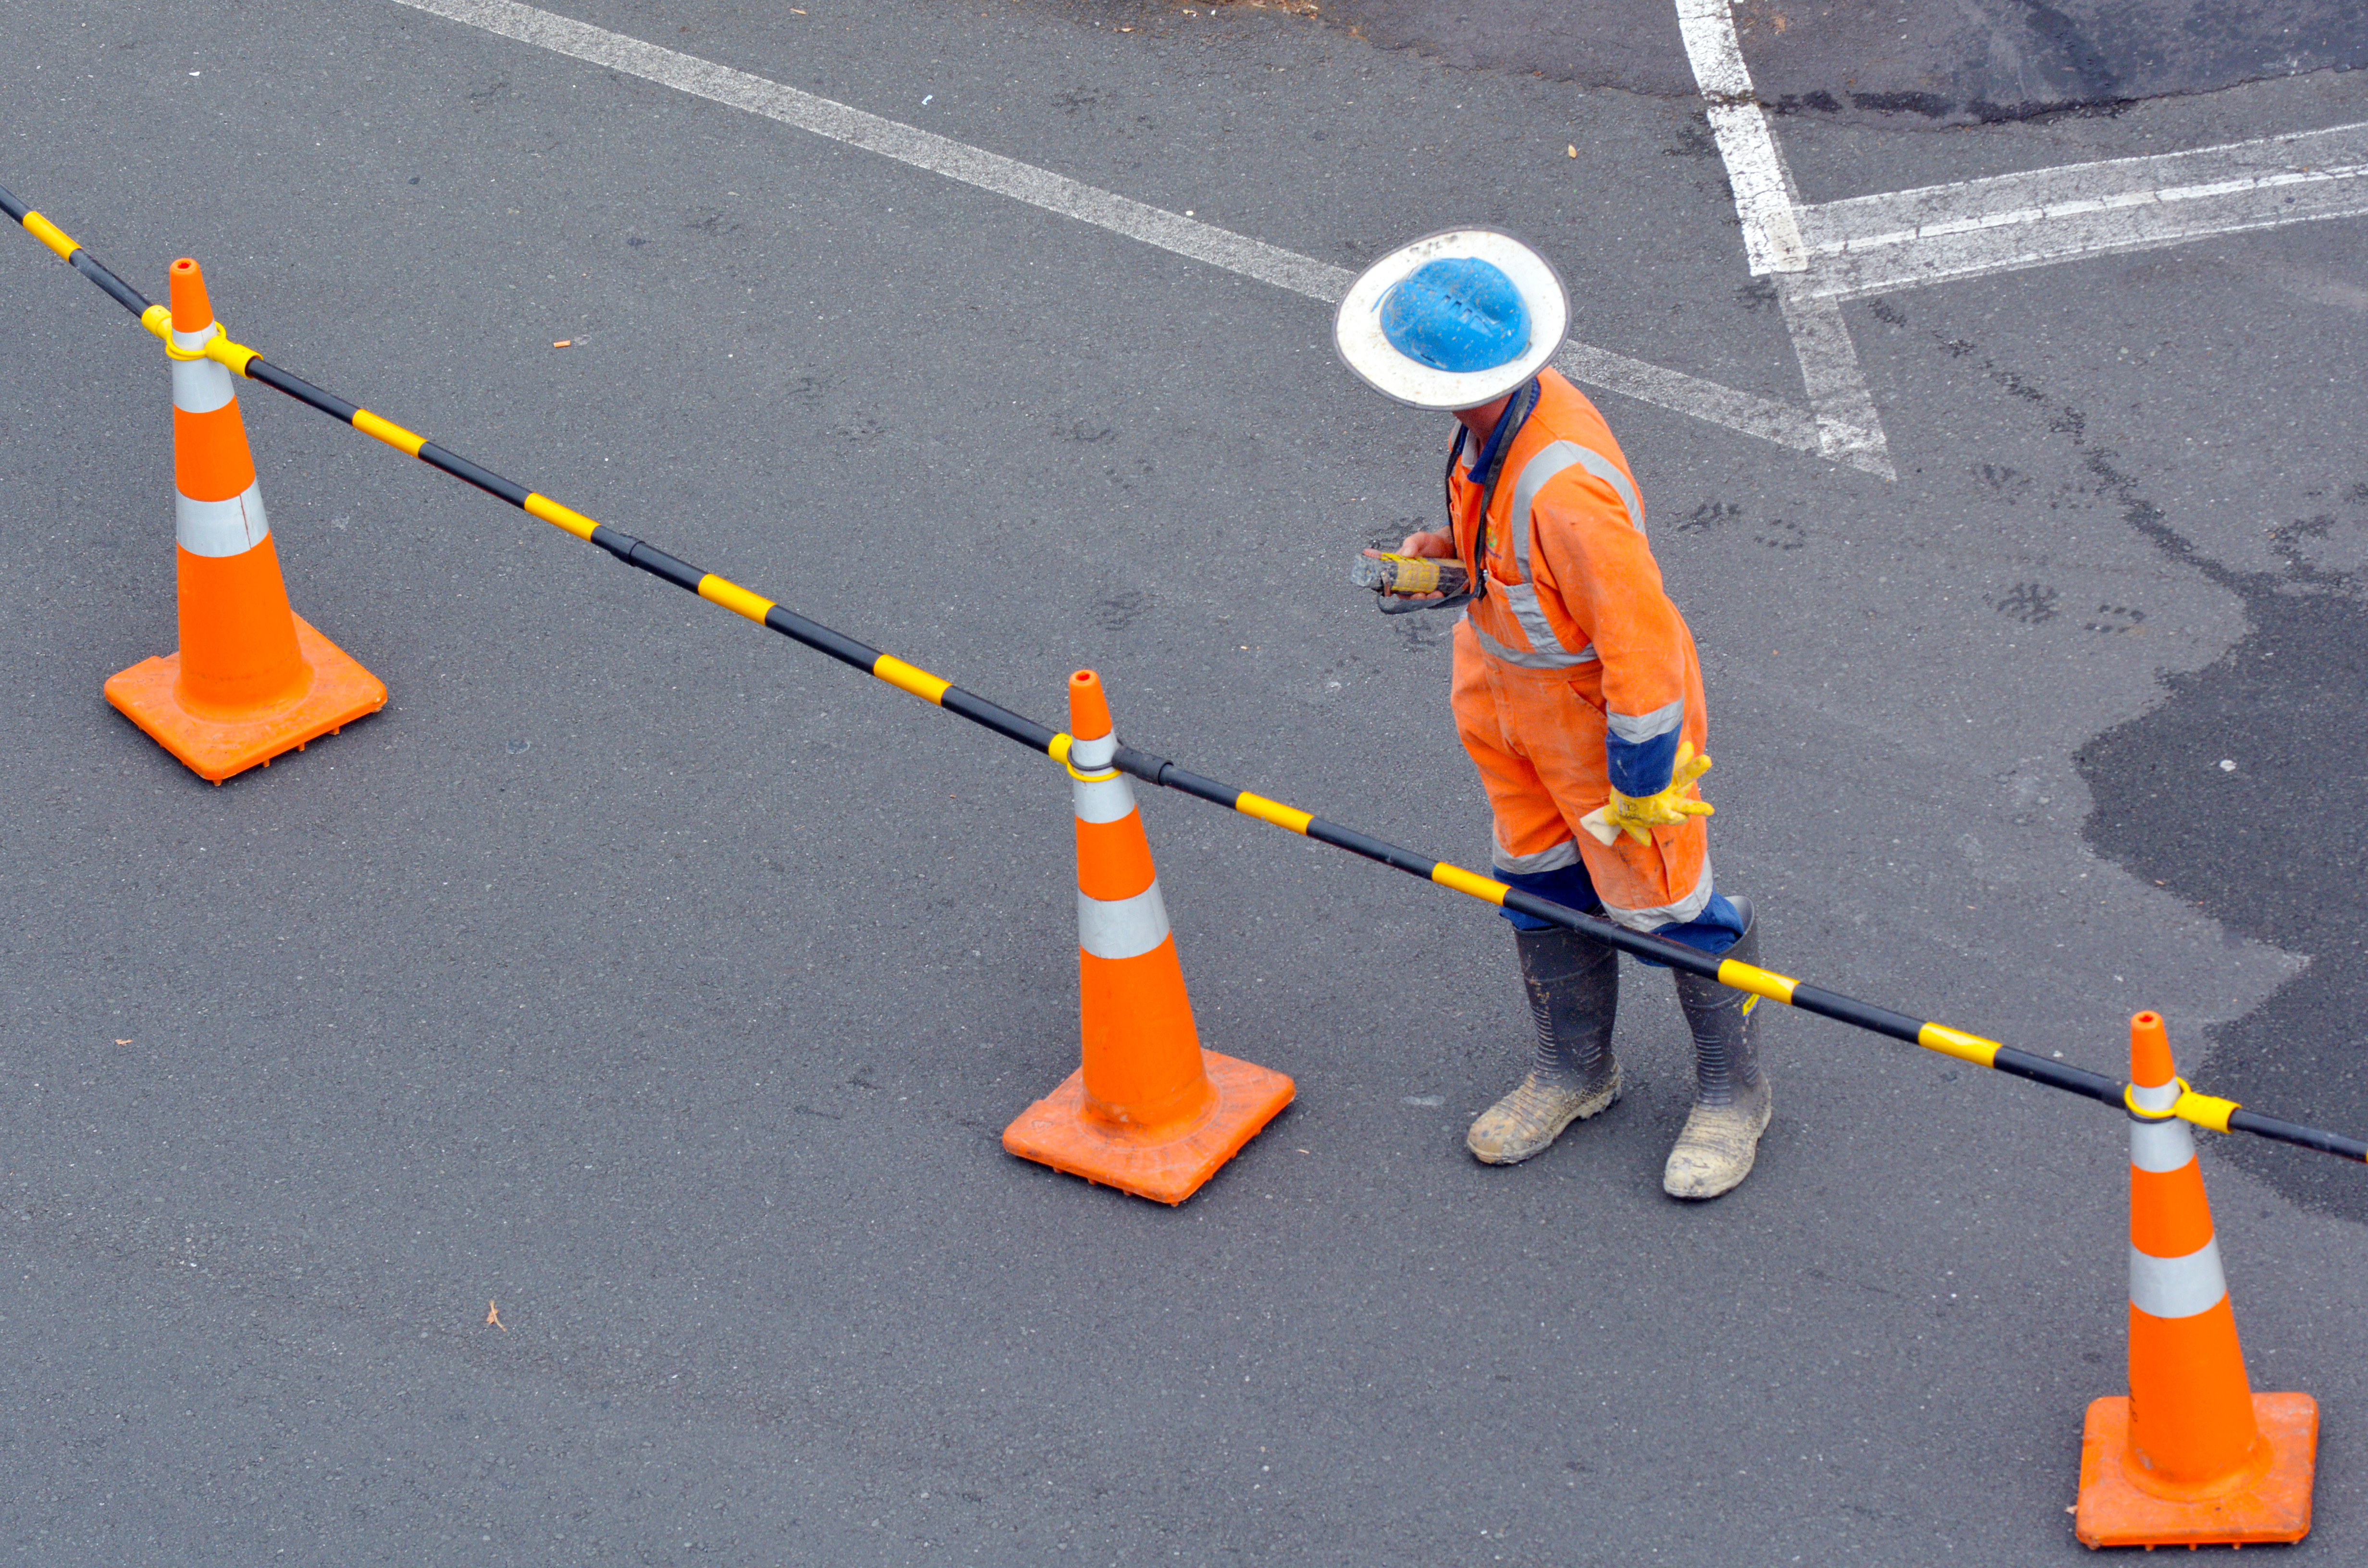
(1366, 349)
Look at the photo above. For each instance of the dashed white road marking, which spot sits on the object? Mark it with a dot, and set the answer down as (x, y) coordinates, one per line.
(1848, 429)
(1674, 389)
(1907, 238)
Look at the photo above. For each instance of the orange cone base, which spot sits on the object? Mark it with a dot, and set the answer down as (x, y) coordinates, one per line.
(2274, 1507)
(341, 692)
(1166, 1164)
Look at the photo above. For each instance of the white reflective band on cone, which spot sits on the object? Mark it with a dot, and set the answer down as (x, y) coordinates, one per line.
(1098, 799)
(1102, 800)
(1122, 928)
(221, 528)
(199, 386)
(2160, 1146)
(2177, 1287)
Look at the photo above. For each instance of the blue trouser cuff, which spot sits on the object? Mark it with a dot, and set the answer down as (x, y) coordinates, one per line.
(1715, 929)
(1569, 886)
(1718, 927)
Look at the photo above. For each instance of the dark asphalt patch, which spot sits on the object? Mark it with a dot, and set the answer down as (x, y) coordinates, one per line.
(1975, 62)
(1986, 61)
(2271, 847)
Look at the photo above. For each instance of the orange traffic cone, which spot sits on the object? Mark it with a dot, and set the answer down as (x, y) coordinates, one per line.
(250, 680)
(2193, 1456)
(1149, 1112)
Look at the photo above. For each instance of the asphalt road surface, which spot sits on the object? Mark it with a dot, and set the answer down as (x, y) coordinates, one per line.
(1970, 61)
(669, 986)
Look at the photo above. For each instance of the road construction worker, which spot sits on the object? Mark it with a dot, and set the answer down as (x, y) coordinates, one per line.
(1577, 690)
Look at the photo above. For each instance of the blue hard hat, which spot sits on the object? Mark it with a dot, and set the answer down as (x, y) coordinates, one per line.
(1457, 314)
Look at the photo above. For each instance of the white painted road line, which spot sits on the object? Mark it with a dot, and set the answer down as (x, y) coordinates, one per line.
(1238, 254)
(904, 143)
(1764, 198)
(1848, 429)
(1779, 423)
(1905, 239)
(1822, 253)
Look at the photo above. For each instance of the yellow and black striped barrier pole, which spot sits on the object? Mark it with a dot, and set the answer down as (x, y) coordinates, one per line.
(244, 361)
(2205, 1110)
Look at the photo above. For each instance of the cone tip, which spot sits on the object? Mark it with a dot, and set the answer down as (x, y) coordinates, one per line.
(2150, 1060)
(1089, 714)
(193, 311)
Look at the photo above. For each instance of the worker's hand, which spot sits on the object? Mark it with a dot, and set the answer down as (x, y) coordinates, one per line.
(1637, 815)
(1431, 546)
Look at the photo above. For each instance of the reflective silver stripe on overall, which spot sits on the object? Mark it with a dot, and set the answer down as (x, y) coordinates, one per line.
(1636, 729)
(1545, 651)
(1686, 909)
(1557, 660)
(1552, 857)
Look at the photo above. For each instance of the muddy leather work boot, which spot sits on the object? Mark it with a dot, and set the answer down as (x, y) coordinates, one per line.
(1574, 987)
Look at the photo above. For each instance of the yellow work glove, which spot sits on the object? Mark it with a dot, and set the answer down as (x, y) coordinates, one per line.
(1637, 815)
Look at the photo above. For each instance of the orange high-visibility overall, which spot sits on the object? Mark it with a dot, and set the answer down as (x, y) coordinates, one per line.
(1573, 671)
